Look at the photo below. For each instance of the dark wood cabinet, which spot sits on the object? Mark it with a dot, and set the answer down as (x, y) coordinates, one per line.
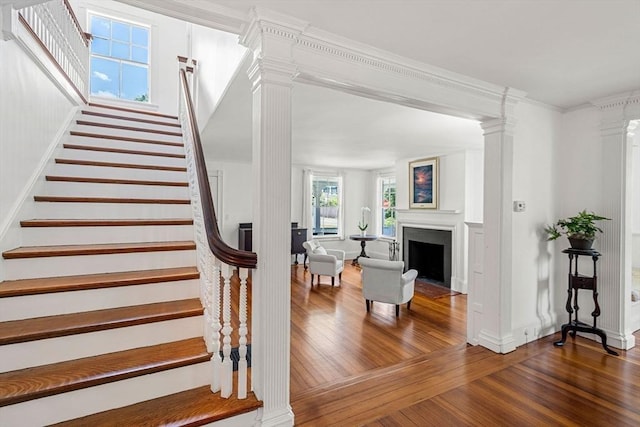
(298, 237)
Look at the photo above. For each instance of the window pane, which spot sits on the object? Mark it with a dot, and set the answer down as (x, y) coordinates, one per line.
(115, 75)
(100, 46)
(105, 77)
(139, 54)
(100, 27)
(326, 206)
(140, 36)
(134, 83)
(121, 32)
(388, 206)
(120, 50)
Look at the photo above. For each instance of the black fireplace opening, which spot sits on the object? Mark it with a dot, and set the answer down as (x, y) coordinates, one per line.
(429, 251)
(428, 259)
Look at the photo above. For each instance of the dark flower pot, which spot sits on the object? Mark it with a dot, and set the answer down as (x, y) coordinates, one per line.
(577, 243)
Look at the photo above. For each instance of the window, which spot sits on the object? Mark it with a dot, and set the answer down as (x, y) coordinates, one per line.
(326, 205)
(387, 206)
(119, 59)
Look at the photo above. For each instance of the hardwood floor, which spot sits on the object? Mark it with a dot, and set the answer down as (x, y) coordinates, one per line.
(350, 368)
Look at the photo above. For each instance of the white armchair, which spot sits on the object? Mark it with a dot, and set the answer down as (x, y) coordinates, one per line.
(383, 281)
(325, 262)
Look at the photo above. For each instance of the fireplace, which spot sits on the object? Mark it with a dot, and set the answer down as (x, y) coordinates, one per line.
(428, 251)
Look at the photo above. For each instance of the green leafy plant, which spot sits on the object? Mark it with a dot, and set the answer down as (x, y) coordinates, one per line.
(580, 226)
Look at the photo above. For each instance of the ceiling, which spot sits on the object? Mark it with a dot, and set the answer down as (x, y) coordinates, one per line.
(562, 53)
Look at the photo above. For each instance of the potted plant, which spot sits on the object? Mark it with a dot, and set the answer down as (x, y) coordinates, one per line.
(362, 225)
(580, 229)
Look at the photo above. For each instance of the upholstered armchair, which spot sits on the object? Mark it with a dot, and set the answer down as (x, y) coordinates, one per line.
(325, 262)
(384, 281)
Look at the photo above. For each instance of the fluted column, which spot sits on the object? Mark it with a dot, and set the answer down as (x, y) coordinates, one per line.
(615, 244)
(496, 330)
(271, 74)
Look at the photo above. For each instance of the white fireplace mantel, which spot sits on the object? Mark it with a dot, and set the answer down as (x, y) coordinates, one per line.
(449, 220)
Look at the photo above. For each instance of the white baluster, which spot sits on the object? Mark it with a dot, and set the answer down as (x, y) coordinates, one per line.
(227, 365)
(216, 360)
(206, 278)
(242, 331)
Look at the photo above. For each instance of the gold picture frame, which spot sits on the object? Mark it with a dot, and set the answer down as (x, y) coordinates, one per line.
(424, 183)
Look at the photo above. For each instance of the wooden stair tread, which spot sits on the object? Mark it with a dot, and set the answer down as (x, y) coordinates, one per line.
(193, 407)
(132, 110)
(38, 328)
(115, 181)
(122, 151)
(77, 199)
(41, 381)
(96, 249)
(126, 138)
(127, 128)
(120, 165)
(12, 288)
(103, 222)
(132, 119)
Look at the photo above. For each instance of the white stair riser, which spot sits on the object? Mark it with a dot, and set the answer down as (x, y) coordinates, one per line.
(61, 169)
(123, 145)
(101, 130)
(49, 236)
(30, 268)
(80, 403)
(28, 306)
(72, 210)
(130, 114)
(131, 123)
(96, 156)
(89, 189)
(29, 354)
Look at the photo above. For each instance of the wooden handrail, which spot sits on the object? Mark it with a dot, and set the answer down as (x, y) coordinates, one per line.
(85, 36)
(222, 251)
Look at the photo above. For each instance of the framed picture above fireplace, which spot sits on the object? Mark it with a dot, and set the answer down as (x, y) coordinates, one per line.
(423, 184)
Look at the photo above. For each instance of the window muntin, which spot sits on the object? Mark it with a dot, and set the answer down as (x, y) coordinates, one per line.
(326, 205)
(119, 59)
(387, 206)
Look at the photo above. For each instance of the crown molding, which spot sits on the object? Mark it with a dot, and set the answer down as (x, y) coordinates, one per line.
(620, 100)
(353, 51)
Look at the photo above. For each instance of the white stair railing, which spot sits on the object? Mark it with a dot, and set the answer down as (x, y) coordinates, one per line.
(56, 27)
(221, 267)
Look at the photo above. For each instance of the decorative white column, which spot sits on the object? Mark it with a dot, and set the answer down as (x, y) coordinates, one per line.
(271, 74)
(615, 244)
(496, 331)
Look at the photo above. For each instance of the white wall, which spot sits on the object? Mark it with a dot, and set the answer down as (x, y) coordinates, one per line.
(578, 186)
(218, 55)
(536, 292)
(237, 204)
(169, 39)
(474, 185)
(33, 114)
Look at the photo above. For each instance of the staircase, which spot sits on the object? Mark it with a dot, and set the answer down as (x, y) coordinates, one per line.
(100, 317)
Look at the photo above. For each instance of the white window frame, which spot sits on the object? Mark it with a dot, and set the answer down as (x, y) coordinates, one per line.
(93, 12)
(340, 179)
(379, 207)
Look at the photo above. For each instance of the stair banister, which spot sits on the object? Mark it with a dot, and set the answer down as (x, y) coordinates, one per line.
(56, 28)
(216, 260)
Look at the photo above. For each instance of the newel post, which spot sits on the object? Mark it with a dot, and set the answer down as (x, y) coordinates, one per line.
(271, 74)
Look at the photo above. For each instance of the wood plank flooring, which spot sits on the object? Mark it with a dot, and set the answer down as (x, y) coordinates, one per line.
(350, 368)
